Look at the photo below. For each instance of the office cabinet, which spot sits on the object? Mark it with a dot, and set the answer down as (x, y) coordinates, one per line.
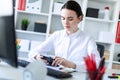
(102, 29)
(33, 17)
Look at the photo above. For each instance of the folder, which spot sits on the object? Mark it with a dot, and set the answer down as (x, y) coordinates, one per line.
(117, 40)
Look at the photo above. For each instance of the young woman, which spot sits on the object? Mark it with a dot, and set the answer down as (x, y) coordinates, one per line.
(70, 45)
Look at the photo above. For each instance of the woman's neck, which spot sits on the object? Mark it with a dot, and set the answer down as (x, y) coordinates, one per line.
(72, 31)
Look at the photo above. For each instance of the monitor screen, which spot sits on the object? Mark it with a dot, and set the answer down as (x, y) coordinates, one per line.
(8, 52)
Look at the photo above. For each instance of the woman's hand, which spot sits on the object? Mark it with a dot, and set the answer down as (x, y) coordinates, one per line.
(39, 57)
(64, 62)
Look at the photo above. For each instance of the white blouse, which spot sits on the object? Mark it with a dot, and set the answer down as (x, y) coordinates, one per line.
(73, 47)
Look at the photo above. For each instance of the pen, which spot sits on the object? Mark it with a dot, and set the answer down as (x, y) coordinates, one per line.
(101, 69)
(101, 65)
(115, 74)
(114, 77)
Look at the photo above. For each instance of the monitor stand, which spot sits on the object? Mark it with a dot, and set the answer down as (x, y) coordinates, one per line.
(8, 72)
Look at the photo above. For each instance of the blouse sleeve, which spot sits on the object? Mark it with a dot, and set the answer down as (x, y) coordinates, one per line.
(92, 49)
(43, 48)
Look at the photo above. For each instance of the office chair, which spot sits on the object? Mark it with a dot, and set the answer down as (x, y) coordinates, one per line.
(101, 49)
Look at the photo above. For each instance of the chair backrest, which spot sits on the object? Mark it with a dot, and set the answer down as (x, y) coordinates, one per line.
(101, 49)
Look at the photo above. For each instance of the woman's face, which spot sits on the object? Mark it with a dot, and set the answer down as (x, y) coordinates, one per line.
(70, 20)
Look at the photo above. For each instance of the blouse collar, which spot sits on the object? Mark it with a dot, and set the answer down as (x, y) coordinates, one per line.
(74, 35)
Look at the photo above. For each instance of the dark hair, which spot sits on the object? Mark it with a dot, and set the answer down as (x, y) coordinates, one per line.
(73, 5)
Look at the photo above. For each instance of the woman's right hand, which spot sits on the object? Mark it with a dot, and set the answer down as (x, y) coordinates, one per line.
(40, 57)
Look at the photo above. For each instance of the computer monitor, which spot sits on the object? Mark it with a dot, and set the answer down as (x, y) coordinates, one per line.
(8, 52)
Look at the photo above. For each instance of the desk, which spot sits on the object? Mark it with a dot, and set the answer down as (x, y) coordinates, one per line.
(10, 73)
(82, 75)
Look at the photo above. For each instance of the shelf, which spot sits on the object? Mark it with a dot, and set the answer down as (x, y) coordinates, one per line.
(99, 20)
(30, 35)
(107, 61)
(103, 42)
(31, 32)
(110, 1)
(43, 14)
(116, 62)
(117, 44)
(55, 14)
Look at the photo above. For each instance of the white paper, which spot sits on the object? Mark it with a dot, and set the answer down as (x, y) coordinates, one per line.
(106, 37)
(33, 6)
(6, 7)
(34, 44)
(24, 45)
(57, 8)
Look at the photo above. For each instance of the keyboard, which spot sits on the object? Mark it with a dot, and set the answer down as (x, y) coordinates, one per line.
(22, 63)
(50, 71)
(58, 74)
